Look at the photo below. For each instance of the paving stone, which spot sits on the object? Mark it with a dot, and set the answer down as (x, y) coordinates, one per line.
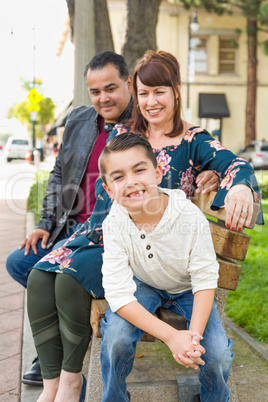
(11, 320)
(10, 344)
(13, 302)
(10, 377)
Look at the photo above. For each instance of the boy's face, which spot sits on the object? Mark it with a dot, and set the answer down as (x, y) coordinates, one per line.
(132, 179)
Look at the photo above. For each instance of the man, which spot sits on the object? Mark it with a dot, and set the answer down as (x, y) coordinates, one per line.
(70, 193)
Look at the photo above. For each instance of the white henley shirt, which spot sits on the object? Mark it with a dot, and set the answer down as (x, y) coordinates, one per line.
(177, 256)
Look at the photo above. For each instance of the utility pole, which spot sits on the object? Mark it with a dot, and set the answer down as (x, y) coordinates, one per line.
(33, 113)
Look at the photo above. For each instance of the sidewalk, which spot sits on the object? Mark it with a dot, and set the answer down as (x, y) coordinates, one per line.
(12, 221)
(11, 305)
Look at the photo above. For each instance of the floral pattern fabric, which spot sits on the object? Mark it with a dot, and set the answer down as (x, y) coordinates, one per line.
(81, 255)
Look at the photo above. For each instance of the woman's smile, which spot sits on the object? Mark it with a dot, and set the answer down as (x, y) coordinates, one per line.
(154, 112)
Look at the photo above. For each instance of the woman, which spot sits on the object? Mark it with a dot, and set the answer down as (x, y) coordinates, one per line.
(61, 327)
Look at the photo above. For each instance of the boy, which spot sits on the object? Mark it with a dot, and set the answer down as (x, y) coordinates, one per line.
(158, 251)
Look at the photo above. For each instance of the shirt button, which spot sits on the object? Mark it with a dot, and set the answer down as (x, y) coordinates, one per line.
(150, 256)
(148, 247)
(143, 236)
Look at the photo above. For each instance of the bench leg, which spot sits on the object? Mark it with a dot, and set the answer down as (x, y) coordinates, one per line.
(94, 383)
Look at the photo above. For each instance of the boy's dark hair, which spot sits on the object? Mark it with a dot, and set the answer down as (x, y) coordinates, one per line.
(123, 142)
(101, 60)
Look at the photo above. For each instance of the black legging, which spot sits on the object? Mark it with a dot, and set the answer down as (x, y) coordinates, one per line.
(59, 314)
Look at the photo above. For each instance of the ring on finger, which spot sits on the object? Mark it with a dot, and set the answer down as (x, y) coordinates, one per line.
(244, 210)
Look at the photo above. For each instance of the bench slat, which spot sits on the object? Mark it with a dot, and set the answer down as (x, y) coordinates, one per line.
(227, 243)
(171, 318)
(229, 273)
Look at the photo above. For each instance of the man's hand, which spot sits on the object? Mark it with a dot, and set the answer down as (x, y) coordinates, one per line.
(32, 239)
(238, 206)
(207, 181)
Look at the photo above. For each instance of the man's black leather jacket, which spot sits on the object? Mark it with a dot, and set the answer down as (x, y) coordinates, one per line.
(80, 135)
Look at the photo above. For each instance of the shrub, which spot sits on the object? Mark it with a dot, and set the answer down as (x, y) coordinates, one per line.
(37, 193)
(262, 177)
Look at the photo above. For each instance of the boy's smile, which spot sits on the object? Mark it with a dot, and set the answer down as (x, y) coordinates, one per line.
(136, 194)
(132, 180)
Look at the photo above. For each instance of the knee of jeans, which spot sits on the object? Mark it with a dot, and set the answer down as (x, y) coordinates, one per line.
(15, 269)
(221, 355)
(10, 263)
(118, 333)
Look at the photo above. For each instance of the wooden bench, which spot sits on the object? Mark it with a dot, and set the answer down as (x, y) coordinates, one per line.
(229, 247)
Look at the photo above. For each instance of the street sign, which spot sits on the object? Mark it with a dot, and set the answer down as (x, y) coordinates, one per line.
(35, 98)
(34, 108)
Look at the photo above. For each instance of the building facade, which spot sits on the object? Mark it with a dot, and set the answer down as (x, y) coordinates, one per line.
(217, 65)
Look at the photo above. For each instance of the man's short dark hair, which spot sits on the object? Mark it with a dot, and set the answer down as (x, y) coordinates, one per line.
(101, 60)
(123, 142)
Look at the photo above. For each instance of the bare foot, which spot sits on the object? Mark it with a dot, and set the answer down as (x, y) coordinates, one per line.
(70, 387)
(50, 390)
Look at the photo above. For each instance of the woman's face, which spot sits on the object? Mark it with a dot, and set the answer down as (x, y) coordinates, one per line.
(156, 104)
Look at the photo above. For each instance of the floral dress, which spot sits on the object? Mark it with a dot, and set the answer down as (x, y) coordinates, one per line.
(81, 255)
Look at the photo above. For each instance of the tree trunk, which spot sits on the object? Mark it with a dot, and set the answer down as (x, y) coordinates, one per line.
(141, 31)
(84, 48)
(70, 5)
(103, 32)
(252, 82)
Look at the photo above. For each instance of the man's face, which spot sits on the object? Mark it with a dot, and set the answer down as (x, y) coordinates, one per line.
(109, 94)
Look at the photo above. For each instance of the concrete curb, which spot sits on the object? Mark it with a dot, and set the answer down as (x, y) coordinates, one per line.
(246, 337)
(29, 223)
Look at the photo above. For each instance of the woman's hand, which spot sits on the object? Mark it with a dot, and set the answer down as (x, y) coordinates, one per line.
(239, 207)
(207, 181)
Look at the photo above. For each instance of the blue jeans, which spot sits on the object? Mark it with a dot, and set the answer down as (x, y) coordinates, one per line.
(119, 339)
(19, 266)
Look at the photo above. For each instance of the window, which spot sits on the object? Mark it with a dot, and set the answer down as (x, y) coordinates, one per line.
(19, 142)
(227, 56)
(264, 148)
(199, 54)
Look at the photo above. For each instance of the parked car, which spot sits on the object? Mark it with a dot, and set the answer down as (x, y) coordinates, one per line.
(17, 147)
(256, 153)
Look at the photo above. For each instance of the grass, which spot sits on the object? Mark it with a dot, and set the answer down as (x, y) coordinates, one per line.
(248, 305)
(262, 177)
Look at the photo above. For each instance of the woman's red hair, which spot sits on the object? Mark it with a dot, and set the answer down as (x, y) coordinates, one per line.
(157, 69)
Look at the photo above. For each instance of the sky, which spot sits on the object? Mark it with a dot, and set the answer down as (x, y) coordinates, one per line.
(24, 23)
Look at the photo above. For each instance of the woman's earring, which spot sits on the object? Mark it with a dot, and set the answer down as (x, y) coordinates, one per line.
(138, 108)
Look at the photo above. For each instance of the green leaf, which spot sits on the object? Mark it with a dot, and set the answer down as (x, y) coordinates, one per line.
(264, 46)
